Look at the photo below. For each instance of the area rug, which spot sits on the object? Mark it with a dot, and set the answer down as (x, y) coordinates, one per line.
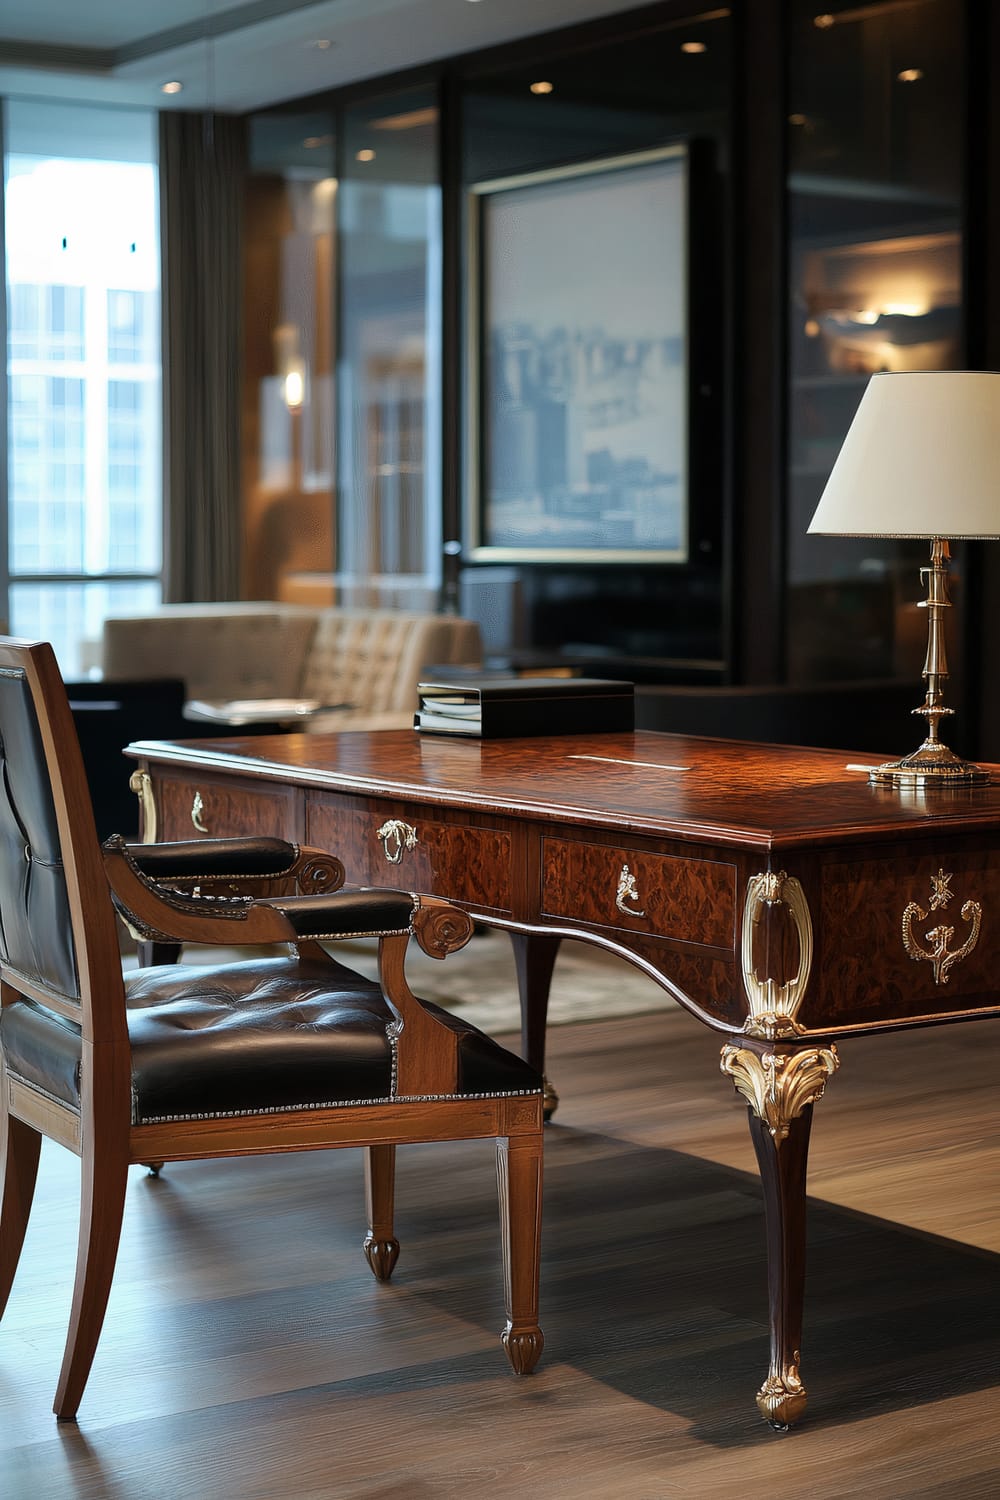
(479, 982)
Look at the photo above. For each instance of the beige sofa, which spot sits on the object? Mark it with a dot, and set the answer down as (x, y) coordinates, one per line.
(368, 659)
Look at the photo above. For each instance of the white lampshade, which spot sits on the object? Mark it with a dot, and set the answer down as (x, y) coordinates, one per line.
(921, 459)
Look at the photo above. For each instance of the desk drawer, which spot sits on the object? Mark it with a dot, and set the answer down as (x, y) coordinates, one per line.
(417, 851)
(663, 895)
(198, 806)
(881, 921)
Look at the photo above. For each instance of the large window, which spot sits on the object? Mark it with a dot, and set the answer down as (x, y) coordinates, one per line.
(83, 533)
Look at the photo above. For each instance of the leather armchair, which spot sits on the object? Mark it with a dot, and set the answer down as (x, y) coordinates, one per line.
(284, 1053)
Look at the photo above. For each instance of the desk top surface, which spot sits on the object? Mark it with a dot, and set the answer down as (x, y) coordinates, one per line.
(677, 786)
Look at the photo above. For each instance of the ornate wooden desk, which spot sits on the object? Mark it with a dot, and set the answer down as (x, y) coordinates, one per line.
(773, 892)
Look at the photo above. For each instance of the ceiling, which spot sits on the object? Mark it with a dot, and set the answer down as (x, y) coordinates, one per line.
(236, 55)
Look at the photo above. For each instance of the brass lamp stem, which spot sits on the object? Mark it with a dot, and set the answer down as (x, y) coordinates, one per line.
(936, 661)
(933, 764)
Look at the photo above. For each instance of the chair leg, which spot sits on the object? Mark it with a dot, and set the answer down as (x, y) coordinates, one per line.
(519, 1178)
(101, 1210)
(381, 1245)
(19, 1150)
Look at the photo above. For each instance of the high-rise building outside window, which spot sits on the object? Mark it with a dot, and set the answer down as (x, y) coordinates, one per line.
(83, 530)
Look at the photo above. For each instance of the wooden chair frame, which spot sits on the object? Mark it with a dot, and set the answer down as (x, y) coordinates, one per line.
(101, 1131)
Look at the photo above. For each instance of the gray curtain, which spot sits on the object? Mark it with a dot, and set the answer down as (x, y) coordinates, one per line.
(202, 160)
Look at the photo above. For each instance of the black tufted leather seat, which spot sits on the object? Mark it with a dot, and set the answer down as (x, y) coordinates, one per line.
(273, 1034)
(273, 1054)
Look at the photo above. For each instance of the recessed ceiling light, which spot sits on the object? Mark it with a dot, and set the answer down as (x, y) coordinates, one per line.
(541, 87)
(171, 88)
(796, 119)
(366, 155)
(693, 47)
(910, 75)
(824, 22)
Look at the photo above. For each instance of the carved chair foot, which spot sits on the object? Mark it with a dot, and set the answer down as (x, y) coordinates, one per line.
(154, 1168)
(382, 1256)
(524, 1348)
(781, 1400)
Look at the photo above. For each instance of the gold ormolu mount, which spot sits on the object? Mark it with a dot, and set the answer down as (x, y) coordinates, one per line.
(933, 764)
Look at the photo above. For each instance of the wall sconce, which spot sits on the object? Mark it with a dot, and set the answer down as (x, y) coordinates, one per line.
(294, 388)
(290, 365)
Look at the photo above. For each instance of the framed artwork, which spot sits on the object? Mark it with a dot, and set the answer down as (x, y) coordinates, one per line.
(578, 426)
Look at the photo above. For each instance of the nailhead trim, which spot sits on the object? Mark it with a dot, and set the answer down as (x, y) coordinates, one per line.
(283, 1109)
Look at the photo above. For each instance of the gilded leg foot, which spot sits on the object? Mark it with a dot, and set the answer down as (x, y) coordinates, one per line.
(550, 1100)
(780, 1087)
(781, 1400)
(381, 1255)
(524, 1348)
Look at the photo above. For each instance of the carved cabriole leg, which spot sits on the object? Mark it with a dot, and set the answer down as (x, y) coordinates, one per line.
(780, 1088)
(19, 1151)
(519, 1181)
(381, 1245)
(534, 959)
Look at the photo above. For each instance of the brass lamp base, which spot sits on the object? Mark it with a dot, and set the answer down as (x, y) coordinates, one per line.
(932, 765)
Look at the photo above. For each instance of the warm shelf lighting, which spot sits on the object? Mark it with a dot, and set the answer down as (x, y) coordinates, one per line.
(366, 155)
(173, 87)
(410, 119)
(541, 87)
(693, 47)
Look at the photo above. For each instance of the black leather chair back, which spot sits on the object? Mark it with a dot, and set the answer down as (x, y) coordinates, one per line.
(36, 932)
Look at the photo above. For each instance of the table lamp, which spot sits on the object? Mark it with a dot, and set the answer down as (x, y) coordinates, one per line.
(922, 459)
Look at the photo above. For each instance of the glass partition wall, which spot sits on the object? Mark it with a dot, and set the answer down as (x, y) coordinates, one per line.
(287, 427)
(875, 265)
(342, 409)
(389, 357)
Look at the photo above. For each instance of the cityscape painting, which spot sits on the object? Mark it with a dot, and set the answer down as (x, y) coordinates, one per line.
(581, 362)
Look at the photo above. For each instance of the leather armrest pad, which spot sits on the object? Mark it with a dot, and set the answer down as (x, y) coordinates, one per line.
(351, 912)
(214, 859)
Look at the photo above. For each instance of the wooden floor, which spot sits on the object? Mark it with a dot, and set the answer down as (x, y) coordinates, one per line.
(249, 1353)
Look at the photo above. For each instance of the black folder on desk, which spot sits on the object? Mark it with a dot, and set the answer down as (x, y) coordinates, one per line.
(507, 707)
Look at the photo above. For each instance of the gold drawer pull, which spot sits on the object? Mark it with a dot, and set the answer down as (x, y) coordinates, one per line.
(397, 837)
(940, 936)
(627, 891)
(197, 808)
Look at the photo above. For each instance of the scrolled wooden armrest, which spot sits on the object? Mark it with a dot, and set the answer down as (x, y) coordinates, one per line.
(155, 907)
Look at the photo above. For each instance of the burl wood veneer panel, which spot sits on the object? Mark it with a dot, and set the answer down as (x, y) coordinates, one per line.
(453, 858)
(688, 900)
(226, 809)
(865, 972)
